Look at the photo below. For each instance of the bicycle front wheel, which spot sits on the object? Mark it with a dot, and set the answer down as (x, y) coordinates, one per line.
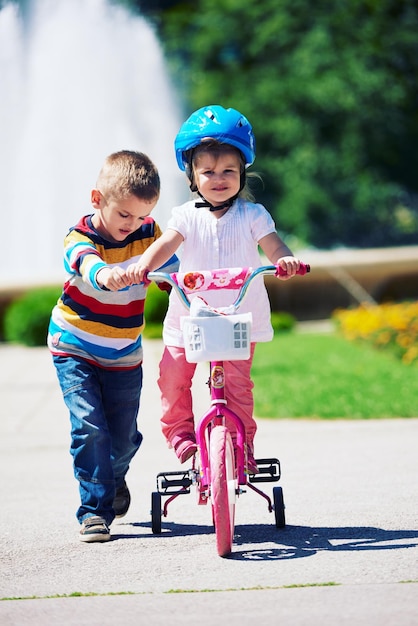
(223, 487)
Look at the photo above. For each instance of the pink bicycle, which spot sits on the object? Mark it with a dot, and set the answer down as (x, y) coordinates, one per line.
(219, 468)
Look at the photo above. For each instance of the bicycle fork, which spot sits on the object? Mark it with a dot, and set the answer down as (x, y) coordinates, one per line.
(219, 414)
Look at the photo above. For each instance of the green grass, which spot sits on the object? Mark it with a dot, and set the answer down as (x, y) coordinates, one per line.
(78, 594)
(325, 376)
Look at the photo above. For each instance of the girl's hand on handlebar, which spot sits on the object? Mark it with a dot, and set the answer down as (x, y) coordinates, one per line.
(289, 266)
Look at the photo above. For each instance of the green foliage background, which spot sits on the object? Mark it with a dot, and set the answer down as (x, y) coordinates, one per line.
(330, 88)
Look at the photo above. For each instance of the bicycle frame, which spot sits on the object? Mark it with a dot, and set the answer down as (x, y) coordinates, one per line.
(219, 479)
(218, 414)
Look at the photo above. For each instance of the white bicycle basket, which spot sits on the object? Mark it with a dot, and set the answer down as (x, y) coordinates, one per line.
(217, 338)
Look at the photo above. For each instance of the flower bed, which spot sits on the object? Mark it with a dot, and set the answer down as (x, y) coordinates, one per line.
(387, 326)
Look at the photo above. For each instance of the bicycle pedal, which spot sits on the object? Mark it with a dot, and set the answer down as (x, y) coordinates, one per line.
(169, 483)
(268, 471)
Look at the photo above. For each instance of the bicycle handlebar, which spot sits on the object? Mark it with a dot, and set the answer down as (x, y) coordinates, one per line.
(238, 278)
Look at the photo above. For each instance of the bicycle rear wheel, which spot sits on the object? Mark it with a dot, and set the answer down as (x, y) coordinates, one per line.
(223, 487)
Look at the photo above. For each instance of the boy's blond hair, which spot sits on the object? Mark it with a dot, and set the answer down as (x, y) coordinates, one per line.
(128, 173)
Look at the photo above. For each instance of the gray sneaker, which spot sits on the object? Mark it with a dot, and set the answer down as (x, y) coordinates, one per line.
(122, 500)
(94, 529)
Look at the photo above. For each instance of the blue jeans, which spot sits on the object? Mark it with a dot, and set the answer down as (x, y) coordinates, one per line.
(103, 406)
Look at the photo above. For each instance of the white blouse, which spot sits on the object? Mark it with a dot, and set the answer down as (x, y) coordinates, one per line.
(211, 243)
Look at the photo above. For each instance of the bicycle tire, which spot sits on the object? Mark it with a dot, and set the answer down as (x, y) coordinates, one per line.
(223, 487)
(279, 513)
(156, 512)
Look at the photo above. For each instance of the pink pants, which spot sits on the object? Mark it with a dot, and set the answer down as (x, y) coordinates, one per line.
(175, 383)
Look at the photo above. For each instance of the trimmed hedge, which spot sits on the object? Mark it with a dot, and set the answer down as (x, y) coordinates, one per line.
(26, 319)
(156, 305)
(282, 321)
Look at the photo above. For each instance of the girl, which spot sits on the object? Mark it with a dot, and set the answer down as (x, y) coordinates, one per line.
(222, 227)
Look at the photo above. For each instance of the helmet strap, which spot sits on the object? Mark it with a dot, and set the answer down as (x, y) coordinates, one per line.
(207, 205)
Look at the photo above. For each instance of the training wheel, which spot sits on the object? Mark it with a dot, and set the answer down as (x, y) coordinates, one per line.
(156, 512)
(278, 502)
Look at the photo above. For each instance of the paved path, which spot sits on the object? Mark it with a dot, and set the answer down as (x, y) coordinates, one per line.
(349, 554)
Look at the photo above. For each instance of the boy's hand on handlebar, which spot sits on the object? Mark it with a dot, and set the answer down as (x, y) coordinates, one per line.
(289, 266)
(136, 273)
(112, 278)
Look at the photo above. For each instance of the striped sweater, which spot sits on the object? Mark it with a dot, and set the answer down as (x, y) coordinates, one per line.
(103, 327)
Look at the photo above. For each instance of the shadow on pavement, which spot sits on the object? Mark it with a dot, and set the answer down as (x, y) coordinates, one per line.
(293, 542)
(168, 529)
(302, 541)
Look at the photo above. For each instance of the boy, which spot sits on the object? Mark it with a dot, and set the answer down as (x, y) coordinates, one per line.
(95, 335)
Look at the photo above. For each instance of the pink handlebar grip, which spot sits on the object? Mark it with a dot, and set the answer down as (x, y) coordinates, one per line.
(304, 268)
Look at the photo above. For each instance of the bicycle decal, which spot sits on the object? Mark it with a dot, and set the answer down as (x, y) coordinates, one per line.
(205, 280)
(217, 377)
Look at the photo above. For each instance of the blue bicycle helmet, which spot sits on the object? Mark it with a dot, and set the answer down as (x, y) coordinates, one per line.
(214, 122)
